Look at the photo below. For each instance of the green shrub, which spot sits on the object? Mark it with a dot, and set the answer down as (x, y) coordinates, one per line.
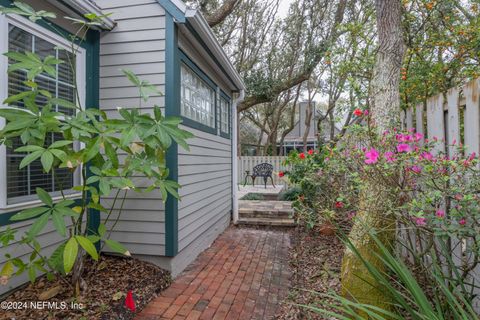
(253, 196)
(436, 300)
(290, 194)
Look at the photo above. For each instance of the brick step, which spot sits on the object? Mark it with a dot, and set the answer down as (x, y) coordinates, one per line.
(267, 222)
(249, 213)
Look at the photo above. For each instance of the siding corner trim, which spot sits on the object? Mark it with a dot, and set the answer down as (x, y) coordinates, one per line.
(172, 98)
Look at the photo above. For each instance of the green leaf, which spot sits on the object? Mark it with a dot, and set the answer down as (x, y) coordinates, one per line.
(59, 144)
(117, 247)
(47, 161)
(29, 213)
(56, 259)
(63, 103)
(32, 275)
(59, 223)
(7, 269)
(88, 246)
(70, 254)
(38, 225)
(132, 77)
(44, 196)
(30, 158)
(102, 229)
(30, 148)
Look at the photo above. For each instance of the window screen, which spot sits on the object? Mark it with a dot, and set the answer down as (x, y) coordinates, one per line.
(197, 98)
(23, 182)
(224, 115)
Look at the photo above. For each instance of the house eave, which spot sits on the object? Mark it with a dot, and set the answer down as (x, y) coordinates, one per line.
(200, 25)
(82, 7)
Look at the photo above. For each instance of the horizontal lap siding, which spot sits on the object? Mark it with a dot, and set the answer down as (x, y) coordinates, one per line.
(205, 174)
(137, 44)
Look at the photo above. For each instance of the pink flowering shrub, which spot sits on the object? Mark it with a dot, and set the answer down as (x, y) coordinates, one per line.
(438, 193)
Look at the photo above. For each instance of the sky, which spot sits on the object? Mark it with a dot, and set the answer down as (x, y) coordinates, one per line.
(283, 8)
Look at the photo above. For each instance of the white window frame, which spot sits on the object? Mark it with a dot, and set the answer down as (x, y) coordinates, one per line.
(61, 42)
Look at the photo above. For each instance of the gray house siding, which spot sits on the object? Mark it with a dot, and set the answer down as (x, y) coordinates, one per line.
(205, 174)
(138, 44)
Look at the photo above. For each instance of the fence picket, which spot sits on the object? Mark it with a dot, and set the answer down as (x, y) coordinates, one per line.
(248, 162)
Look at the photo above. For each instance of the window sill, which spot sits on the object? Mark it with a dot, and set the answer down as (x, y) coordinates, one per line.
(34, 203)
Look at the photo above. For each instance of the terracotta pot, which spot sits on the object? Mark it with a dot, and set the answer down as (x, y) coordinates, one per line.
(327, 229)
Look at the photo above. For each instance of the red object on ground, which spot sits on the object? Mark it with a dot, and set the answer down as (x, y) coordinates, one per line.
(129, 302)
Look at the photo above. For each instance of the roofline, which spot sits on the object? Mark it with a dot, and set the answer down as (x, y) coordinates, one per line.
(182, 14)
(84, 6)
(198, 22)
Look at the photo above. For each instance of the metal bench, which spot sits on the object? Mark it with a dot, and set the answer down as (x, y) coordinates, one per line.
(263, 170)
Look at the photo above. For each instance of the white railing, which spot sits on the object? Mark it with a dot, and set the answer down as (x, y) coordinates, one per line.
(248, 162)
(441, 117)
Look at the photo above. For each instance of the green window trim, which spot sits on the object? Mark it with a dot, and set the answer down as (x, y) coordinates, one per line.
(226, 135)
(186, 60)
(91, 44)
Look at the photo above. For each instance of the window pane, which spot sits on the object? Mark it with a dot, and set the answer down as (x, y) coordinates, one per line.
(224, 116)
(22, 182)
(197, 98)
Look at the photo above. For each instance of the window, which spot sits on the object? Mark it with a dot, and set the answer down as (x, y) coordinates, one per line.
(25, 36)
(224, 115)
(197, 98)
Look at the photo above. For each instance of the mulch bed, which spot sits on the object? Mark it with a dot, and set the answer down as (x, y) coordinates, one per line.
(315, 261)
(108, 282)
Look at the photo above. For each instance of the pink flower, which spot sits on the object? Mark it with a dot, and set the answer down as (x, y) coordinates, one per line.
(427, 156)
(351, 214)
(418, 136)
(403, 147)
(411, 130)
(472, 156)
(310, 152)
(440, 213)
(462, 221)
(371, 156)
(389, 156)
(420, 221)
(365, 112)
(415, 169)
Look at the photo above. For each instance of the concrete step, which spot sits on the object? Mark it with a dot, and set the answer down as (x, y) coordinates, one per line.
(267, 222)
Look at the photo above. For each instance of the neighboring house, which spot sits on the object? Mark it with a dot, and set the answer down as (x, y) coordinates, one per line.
(171, 46)
(294, 139)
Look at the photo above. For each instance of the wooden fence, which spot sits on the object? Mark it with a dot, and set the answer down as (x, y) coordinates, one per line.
(452, 117)
(248, 162)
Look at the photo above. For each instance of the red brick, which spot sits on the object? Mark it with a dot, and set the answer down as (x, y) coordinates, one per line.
(243, 275)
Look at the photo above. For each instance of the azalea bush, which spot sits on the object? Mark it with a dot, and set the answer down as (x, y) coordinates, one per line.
(325, 184)
(113, 156)
(436, 203)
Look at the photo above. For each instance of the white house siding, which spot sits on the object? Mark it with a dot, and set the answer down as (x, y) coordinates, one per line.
(137, 43)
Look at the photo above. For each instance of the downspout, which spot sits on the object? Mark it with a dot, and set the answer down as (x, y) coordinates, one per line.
(239, 99)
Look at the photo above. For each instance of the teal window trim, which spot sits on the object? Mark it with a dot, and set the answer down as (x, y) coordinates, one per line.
(226, 135)
(185, 59)
(172, 108)
(91, 44)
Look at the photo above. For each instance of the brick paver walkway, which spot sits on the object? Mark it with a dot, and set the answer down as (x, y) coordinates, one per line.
(243, 275)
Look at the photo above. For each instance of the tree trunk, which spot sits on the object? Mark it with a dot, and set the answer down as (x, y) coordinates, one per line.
(308, 121)
(377, 199)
